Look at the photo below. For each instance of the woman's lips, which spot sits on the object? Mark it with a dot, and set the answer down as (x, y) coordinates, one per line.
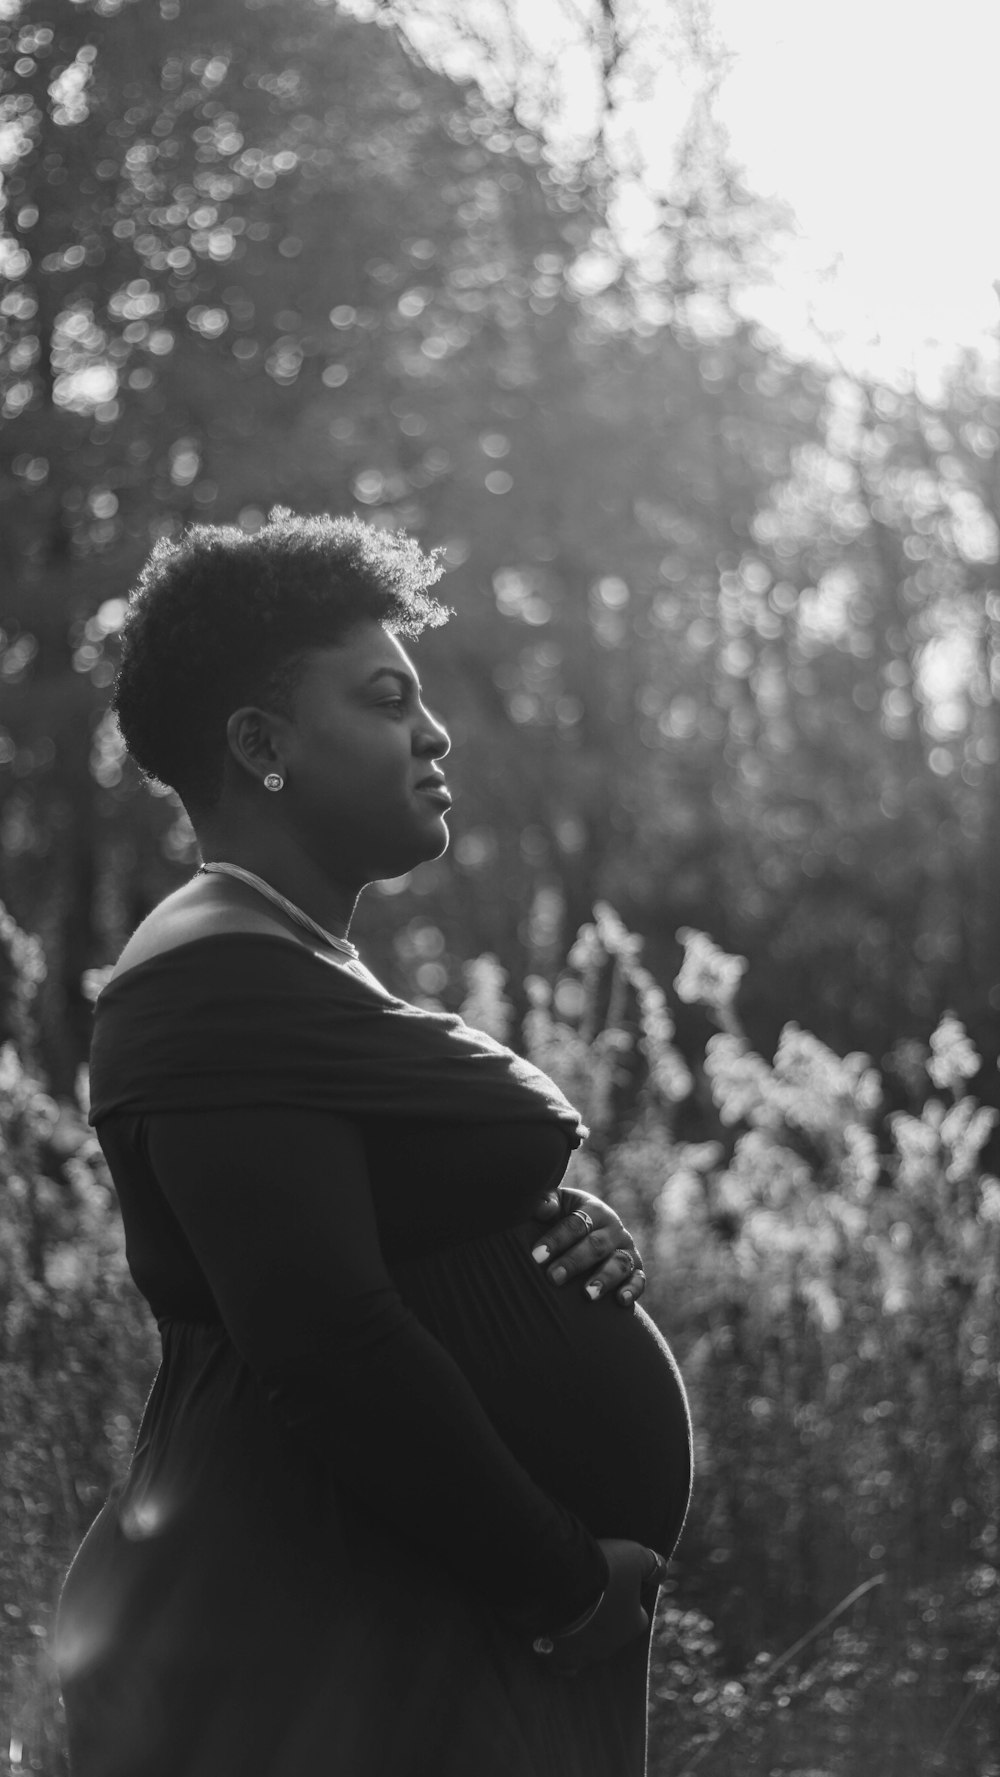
(439, 791)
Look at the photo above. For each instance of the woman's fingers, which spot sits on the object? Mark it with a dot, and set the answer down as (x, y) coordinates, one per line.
(632, 1288)
(618, 1273)
(591, 1242)
(547, 1208)
(606, 1265)
(573, 1251)
(572, 1229)
(580, 1239)
(656, 1570)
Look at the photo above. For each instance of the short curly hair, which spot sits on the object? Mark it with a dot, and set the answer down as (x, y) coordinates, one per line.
(226, 617)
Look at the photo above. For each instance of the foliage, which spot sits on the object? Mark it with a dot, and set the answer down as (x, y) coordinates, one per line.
(829, 1278)
(917, 1694)
(76, 1356)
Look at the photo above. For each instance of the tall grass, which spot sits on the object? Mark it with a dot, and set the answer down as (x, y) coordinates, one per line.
(828, 1275)
(76, 1358)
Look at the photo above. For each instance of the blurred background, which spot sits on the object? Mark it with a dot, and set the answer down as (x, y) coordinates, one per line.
(673, 326)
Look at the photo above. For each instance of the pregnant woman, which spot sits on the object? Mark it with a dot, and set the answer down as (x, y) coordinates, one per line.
(400, 1502)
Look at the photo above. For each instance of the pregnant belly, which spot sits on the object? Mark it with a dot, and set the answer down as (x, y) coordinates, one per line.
(586, 1394)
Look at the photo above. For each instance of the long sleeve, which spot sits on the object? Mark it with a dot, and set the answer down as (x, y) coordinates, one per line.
(276, 1208)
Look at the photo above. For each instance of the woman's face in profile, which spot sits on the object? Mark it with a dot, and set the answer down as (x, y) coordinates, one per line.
(360, 760)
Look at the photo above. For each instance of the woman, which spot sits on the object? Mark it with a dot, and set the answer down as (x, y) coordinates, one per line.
(392, 1490)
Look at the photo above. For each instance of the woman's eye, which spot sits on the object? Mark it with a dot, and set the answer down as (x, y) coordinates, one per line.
(392, 703)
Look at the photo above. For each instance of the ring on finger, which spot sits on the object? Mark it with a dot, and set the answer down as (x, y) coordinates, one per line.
(588, 1221)
(622, 1252)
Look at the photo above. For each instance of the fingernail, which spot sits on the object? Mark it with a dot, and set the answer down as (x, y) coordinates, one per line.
(540, 1253)
(626, 1297)
(593, 1290)
(558, 1275)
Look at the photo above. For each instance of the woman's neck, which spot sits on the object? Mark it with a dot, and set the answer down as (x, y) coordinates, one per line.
(291, 871)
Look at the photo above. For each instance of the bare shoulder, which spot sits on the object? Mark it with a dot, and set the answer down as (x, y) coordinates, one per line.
(200, 909)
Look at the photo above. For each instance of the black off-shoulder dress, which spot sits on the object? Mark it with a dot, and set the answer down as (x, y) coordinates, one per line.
(380, 1445)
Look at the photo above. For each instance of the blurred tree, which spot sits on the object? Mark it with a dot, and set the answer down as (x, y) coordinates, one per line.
(874, 725)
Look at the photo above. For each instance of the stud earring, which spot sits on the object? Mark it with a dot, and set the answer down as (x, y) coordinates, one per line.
(273, 781)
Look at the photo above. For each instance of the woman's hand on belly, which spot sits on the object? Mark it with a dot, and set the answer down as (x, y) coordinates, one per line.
(590, 1241)
(623, 1611)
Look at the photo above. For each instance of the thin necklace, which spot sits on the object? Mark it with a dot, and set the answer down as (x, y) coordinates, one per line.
(289, 907)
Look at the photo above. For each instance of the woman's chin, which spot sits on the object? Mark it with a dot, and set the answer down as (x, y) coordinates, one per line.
(434, 832)
(437, 842)
(432, 843)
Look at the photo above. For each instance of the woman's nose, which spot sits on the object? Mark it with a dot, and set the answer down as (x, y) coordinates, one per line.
(434, 739)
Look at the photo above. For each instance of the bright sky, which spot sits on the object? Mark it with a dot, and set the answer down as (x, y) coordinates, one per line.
(874, 119)
(877, 121)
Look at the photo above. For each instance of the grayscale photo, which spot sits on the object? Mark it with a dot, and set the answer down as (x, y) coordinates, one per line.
(499, 845)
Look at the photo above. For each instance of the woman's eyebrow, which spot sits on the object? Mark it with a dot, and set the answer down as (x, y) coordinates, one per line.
(406, 680)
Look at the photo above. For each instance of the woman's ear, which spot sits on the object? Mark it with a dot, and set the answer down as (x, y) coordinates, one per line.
(255, 741)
